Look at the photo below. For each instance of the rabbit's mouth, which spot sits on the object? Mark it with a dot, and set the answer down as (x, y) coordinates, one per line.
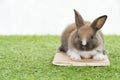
(84, 47)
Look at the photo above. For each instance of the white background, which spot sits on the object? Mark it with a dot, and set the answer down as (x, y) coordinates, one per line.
(30, 17)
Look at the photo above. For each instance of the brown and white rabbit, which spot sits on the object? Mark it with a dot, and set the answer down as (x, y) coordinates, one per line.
(83, 39)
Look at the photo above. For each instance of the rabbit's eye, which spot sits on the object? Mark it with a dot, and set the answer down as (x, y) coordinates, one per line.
(77, 36)
(92, 37)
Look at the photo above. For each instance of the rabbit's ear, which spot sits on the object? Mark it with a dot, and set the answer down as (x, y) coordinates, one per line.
(78, 19)
(99, 22)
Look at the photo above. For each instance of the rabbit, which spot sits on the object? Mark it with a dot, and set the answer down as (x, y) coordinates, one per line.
(83, 39)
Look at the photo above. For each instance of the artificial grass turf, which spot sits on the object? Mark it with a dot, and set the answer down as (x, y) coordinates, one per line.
(30, 58)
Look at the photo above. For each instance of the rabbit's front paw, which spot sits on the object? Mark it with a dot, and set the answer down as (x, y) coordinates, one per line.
(99, 57)
(73, 55)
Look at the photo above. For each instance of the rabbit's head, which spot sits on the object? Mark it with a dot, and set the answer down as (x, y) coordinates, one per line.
(85, 30)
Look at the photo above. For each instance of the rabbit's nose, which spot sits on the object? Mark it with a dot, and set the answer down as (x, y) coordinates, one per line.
(84, 41)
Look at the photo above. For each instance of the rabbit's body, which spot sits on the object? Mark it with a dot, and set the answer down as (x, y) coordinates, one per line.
(84, 39)
(69, 46)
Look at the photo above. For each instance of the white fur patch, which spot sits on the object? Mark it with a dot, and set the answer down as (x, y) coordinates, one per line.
(99, 57)
(73, 55)
(84, 41)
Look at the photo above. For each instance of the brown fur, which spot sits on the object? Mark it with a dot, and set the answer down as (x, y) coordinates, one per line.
(71, 37)
(65, 36)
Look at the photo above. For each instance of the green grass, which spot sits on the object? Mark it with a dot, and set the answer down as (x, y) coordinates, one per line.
(30, 58)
